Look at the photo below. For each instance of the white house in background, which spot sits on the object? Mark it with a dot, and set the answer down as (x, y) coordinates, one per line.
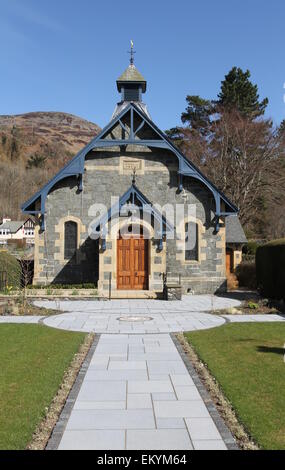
(18, 231)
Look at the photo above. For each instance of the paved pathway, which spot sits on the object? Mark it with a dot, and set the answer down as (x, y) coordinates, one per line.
(254, 318)
(151, 316)
(20, 319)
(146, 316)
(138, 394)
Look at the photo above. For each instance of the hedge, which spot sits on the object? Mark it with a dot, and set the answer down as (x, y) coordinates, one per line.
(246, 274)
(65, 286)
(270, 269)
(11, 267)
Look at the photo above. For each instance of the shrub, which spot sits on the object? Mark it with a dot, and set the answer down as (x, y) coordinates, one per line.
(65, 286)
(270, 269)
(11, 266)
(251, 247)
(246, 275)
(252, 305)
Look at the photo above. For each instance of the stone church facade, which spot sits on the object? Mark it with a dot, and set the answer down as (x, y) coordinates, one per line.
(130, 212)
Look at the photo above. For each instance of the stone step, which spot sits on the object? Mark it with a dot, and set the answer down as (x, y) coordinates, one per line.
(130, 294)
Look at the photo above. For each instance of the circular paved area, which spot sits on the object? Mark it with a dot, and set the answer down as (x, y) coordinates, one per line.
(166, 317)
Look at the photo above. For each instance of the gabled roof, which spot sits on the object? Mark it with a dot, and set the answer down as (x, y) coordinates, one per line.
(12, 226)
(76, 166)
(130, 195)
(234, 230)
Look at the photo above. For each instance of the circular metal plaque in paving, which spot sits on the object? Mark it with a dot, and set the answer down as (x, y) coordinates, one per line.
(133, 318)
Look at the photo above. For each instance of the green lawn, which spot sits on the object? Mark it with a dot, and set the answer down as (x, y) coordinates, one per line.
(247, 360)
(33, 359)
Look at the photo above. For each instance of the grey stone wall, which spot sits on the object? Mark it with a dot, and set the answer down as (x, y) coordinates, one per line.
(105, 177)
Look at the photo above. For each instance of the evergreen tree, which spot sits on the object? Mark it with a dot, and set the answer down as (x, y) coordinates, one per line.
(282, 129)
(198, 113)
(237, 91)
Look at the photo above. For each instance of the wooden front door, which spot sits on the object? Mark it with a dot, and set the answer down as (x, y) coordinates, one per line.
(132, 264)
(229, 262)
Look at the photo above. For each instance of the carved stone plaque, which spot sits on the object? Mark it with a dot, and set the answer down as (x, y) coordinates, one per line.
(128, 165)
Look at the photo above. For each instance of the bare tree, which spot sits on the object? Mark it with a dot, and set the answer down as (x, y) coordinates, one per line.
(242, 157)
(26, 278)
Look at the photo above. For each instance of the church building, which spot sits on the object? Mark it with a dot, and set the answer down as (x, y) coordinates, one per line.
(130, 212)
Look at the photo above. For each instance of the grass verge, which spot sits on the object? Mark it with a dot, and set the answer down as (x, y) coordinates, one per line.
(247, 362)
(34, 359)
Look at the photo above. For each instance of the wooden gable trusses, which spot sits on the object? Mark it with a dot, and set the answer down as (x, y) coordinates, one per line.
(105, 139)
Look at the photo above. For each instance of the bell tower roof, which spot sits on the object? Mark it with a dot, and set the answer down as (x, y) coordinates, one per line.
(131, 76)
(131, 84)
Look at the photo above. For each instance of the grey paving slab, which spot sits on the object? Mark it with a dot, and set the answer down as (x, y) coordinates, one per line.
(155, 356)
(139, 401)
(114, 375)
(20, 319)
(187, 393)
(163, 396)
(111, 419)
(170, 423)
(169, 367)
(100, 390)
(93, 440)
(181, 379)
(159, 439)
(127, 365)
(99, 405)
(202, 429)
(181, 409)
(209, 445)
(161, 377)
(254, 318)
(149, 386)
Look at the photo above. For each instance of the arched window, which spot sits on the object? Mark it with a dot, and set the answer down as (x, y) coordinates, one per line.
(70, 239)
(191, 241)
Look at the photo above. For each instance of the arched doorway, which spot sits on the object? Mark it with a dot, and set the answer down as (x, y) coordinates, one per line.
(132, 259)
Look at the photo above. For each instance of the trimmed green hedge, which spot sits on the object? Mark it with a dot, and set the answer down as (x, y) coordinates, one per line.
(270, 269)
(10, 265)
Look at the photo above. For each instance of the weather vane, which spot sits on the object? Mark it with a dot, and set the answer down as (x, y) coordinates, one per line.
(132, 52)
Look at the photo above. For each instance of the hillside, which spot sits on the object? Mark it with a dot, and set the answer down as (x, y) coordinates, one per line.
(33, 147)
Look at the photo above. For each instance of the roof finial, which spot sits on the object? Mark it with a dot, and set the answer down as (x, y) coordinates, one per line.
(132, 52)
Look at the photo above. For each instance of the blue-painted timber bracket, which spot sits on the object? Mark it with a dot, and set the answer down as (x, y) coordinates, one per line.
(75, 168)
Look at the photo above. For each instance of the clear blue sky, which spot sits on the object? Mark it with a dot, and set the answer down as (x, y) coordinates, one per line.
(65, 55)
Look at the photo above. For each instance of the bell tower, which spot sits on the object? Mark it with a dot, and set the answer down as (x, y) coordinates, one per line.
(131, 84)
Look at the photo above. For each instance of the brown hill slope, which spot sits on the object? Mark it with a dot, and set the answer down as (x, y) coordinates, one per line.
(33, 147)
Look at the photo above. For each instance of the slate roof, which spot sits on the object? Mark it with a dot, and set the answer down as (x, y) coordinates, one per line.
(132, 75)
(13, 226)
(234, 230)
